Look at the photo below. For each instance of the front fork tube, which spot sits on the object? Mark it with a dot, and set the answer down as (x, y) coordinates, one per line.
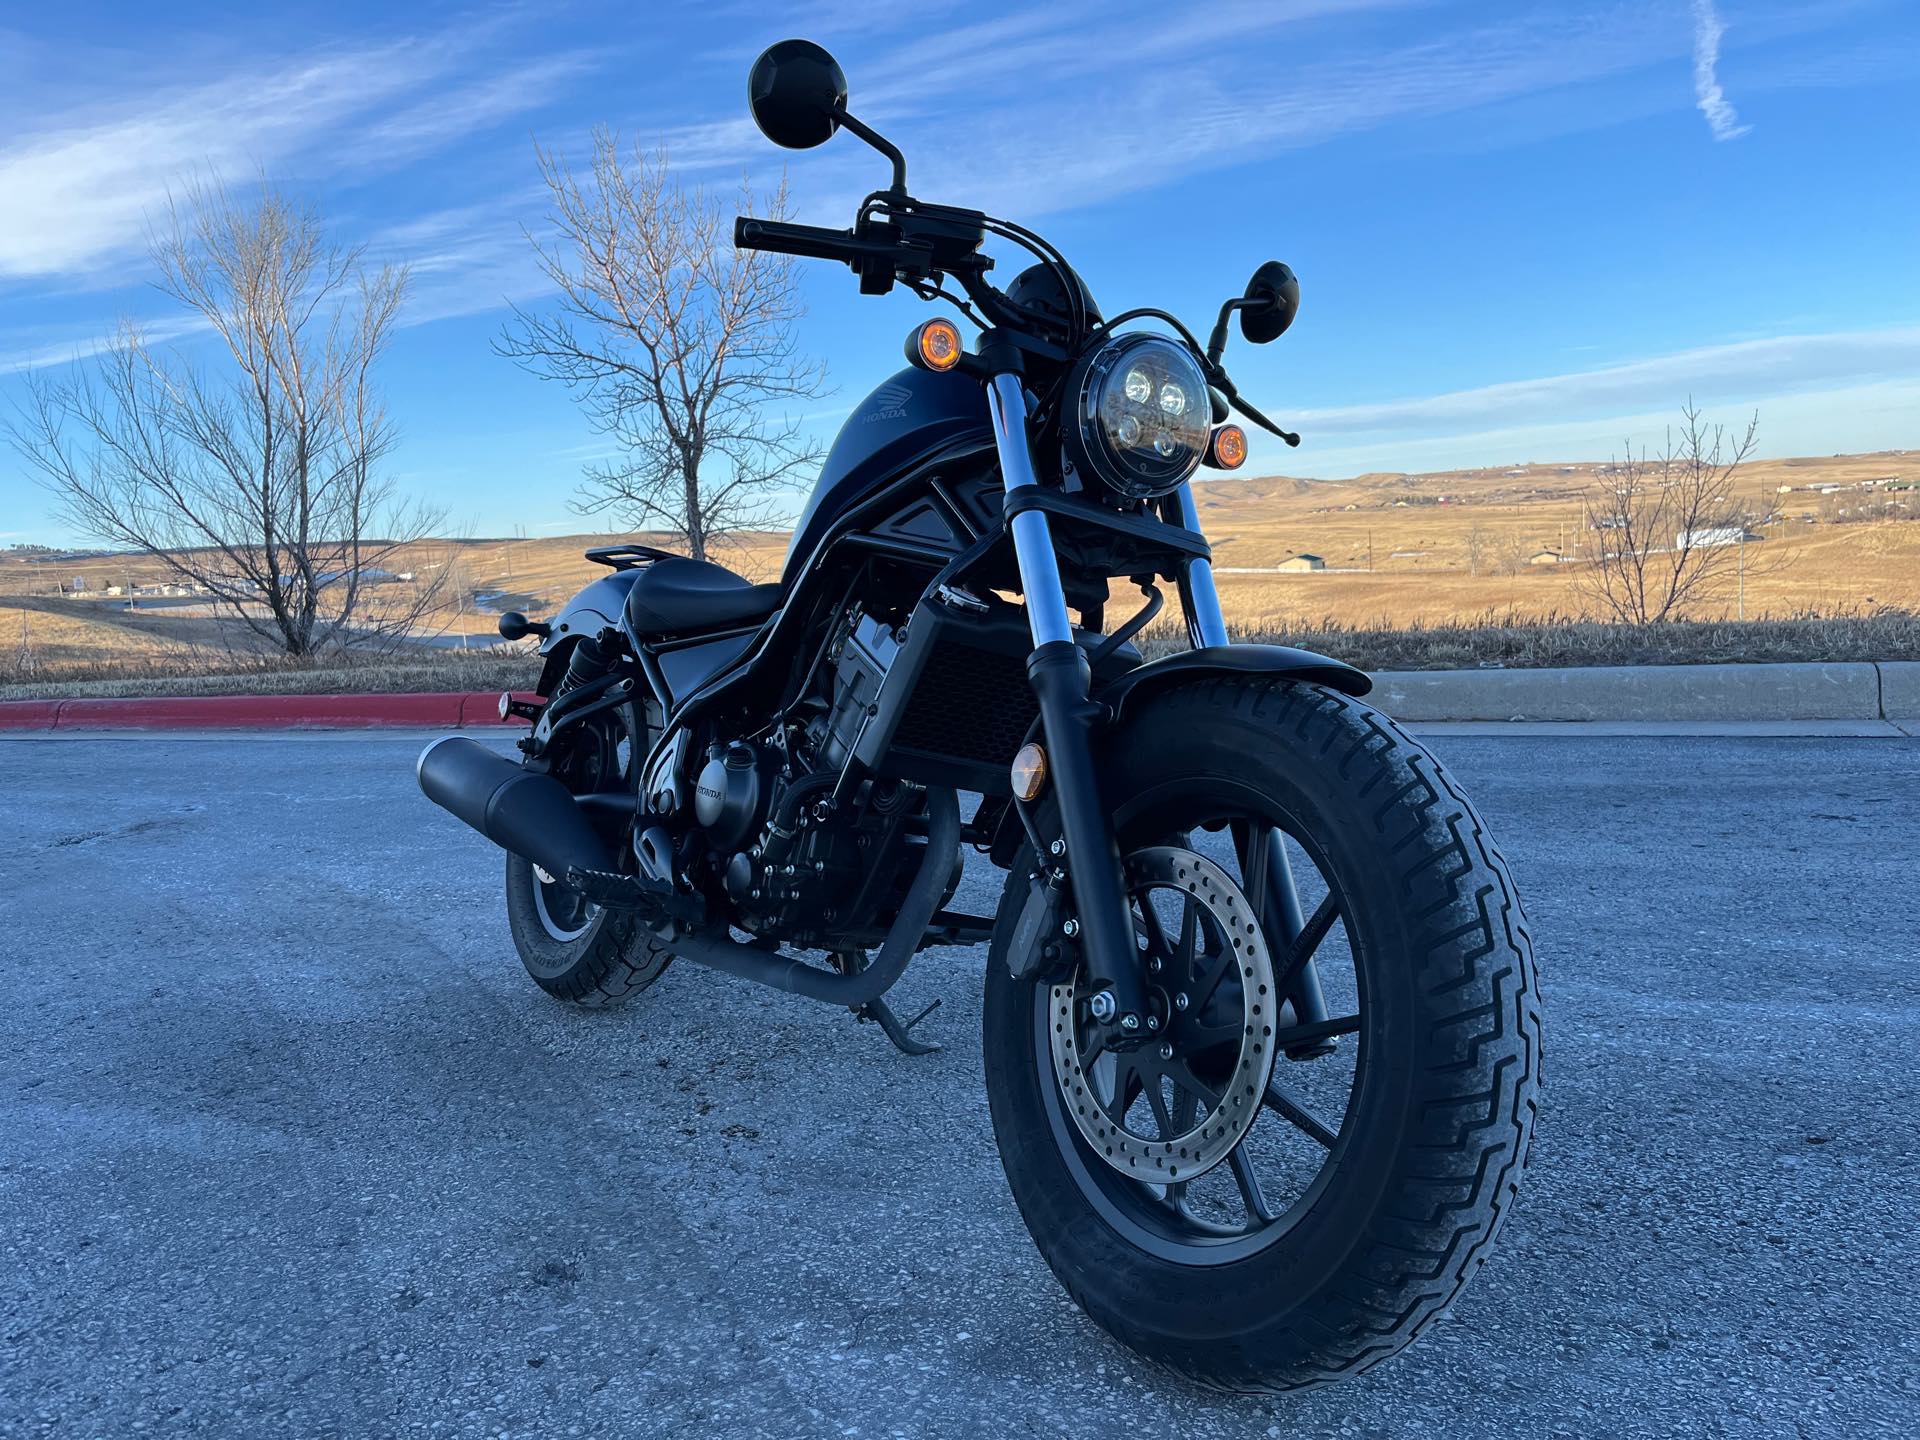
(1060, 677)
(1207, 626)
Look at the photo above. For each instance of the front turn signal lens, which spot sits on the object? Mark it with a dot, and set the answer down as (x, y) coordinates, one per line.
(1228, 449)
(1029, 773)
(935, 345)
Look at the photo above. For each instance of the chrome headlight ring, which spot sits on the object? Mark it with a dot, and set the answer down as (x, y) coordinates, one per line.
(1140, 415)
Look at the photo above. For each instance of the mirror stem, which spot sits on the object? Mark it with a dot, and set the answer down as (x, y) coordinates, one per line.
(879, 142)
(1217, 342)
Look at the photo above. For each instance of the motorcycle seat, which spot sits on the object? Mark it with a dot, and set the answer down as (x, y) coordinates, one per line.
(678, 596)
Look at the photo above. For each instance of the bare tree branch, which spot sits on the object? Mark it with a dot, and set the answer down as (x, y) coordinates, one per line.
(677, 346)
(256, 481)
(1670, 534)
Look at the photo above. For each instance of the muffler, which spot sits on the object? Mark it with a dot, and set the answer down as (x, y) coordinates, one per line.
(527, 813)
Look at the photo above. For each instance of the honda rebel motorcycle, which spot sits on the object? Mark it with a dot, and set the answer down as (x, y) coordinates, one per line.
(1261, 1033)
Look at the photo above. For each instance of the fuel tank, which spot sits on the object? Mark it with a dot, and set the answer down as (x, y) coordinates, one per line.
(911, 415)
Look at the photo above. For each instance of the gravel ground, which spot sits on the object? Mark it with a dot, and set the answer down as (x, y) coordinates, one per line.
(290, 1145)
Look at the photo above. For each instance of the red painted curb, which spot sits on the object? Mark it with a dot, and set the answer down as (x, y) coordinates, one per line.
(254, 712)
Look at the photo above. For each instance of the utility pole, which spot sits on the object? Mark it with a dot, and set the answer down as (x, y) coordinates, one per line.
(1369, 552)
(1741, 569)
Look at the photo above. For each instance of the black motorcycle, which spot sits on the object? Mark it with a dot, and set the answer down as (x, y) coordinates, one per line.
(1261, 1029)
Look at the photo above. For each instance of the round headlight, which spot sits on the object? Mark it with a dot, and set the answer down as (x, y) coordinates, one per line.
(1140, 416)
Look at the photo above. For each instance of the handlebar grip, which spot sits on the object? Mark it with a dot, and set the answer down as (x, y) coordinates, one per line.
(815, 241)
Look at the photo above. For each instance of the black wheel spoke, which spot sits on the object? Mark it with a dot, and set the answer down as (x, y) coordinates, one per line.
(1189, 936)
(1253, 871)
(1249, 1184)
(1186, 1105)
(1216, 972)
(1158, 1104)
(1308, 941)
(1306, 1034)
(1298, 1115)
(1096, 1047)
(1186, 1080)
(1126, 1089)
(1157, 941)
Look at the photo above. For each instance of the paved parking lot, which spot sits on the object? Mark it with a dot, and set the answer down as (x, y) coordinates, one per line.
(289, 1144)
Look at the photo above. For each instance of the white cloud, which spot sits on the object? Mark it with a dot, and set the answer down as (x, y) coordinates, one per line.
(1777, 364)
(1712, 100)
(1842, 419)
(80, 190)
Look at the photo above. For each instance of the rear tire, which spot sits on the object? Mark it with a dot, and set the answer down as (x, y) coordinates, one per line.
(575, 951)
(611, 958)
(1428, 1157)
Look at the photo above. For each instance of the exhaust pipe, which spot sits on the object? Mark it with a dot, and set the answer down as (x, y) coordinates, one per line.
(529, 814)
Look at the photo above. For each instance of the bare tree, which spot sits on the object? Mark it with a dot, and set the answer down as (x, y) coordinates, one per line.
(679, 348)
(1669, 532)
(255, 480)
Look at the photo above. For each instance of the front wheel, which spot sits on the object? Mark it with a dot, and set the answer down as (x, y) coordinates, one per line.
(1259, 1198)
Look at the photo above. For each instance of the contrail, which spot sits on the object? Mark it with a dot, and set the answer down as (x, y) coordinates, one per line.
(1712, 100)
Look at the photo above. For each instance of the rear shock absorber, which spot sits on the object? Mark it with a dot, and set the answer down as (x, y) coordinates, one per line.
(592, 658)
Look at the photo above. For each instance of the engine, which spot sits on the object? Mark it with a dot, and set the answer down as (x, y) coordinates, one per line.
(787, 853)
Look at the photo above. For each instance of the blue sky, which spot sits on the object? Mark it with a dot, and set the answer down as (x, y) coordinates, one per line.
(1524, 231)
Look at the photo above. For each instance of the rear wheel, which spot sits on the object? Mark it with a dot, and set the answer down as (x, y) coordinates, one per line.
(572, 948)
(1235, 1198)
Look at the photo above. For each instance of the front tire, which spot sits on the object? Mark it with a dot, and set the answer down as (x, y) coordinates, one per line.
(1420, 1172)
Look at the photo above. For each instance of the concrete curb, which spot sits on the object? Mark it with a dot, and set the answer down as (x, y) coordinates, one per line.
(1852, 691)
(250, 712)
(1863, 690)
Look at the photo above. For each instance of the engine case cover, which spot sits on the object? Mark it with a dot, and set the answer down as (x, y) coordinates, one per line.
(726, 797)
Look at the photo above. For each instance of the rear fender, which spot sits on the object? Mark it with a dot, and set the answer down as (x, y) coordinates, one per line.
(600, 605)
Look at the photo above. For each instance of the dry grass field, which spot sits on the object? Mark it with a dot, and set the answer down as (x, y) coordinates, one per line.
(1447, 553)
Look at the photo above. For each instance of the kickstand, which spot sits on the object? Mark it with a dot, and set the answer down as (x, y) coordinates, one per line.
(882, 1014)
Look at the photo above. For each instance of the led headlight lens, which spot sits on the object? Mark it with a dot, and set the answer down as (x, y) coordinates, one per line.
(1140, 419)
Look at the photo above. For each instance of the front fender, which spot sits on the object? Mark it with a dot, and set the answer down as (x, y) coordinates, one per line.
(1282, 662)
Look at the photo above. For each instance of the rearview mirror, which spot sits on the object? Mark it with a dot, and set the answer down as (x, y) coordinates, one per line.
(1274, 296)
(797, 91)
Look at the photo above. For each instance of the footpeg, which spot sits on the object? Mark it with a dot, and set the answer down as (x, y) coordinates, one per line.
(657, 899)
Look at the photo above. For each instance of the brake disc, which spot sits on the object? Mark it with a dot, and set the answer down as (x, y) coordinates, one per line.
(1106, 1091)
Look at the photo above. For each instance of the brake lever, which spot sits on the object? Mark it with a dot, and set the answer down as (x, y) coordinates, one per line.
(1223, 382)
(1262, 421)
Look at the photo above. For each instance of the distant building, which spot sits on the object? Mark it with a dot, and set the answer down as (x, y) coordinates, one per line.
(367, 575)
(1708, 536)
(1302, 562)
(1545, 557)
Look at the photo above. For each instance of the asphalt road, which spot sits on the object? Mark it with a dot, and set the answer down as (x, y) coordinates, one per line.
(289, 1144)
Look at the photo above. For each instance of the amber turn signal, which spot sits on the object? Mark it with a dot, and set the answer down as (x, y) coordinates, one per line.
(935, 345)
(1029, 773)
(1228, 449)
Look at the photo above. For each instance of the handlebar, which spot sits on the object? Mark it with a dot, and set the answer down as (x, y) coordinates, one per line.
(816, 242)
